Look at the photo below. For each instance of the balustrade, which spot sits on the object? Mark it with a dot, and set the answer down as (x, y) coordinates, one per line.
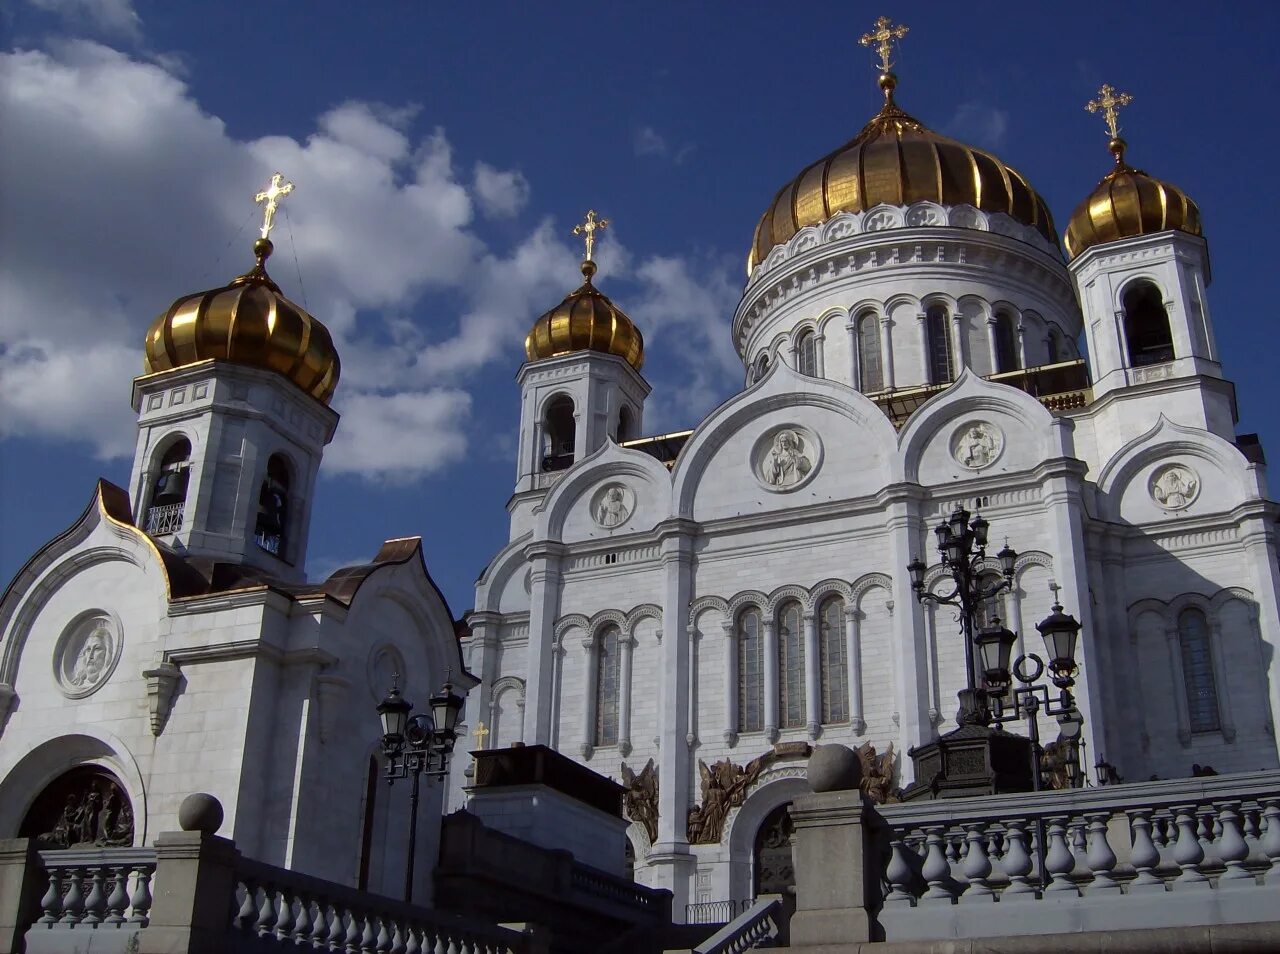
(97, 888)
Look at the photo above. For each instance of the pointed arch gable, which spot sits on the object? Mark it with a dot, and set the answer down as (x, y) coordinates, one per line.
(610, 460)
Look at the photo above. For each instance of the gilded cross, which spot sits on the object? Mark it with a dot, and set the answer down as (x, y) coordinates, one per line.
(883, 38)
(1053, 585)
(1109, 101)
(589, 229)
(272, 196)
(480, 733)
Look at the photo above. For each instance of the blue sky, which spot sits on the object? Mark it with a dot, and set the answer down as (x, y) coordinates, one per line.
(441, 153)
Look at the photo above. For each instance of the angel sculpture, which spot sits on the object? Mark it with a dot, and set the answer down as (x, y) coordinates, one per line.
(641, 797)
(877, 773)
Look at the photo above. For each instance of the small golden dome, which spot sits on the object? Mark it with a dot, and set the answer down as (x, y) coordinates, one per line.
(1126, 203)
(585, 321)
(897, 160)
(247, 322)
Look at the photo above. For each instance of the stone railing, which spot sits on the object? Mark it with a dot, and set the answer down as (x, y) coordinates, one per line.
(93, 889)
(277, 908)
(1187, 851)
(597, 884)
(761, 925)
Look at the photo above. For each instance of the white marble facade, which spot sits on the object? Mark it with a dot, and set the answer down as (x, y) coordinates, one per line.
(1137, 505)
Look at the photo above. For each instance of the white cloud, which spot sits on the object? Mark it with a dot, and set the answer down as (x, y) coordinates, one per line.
(111, 17)
(502, 194)
(979, 123)
(401, 437)
(649, 142)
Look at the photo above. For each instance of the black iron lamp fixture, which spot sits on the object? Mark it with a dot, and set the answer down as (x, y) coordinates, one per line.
(962, 542)
(1107, 773)
(414, 745)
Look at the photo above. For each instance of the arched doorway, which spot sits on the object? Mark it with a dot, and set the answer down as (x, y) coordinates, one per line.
(774, 867)
(84, 807)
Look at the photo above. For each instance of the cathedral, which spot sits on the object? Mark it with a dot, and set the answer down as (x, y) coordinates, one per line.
(691, 612)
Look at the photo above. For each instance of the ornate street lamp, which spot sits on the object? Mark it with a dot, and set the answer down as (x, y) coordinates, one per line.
(963, 545)
(414, 745)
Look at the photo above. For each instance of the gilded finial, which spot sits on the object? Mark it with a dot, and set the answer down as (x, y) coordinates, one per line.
(1109, 103)
(272, 196)
(588, 231)
(883, 38)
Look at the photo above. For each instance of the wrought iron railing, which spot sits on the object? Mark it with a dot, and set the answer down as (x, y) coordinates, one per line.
(759, 926)
(166, 518)
(714, 912)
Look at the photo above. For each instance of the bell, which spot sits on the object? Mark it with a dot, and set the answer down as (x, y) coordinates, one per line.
(171, 488)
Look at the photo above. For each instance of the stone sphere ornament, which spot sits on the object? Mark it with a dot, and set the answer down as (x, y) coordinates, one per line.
(834, 768)
(200, 812)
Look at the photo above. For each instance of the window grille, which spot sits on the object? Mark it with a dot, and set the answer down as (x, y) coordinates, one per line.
(835, 663)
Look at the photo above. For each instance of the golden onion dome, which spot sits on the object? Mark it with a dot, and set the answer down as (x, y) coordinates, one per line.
(896, 160)
(247, 322)
(1127, 203)
(585, 321)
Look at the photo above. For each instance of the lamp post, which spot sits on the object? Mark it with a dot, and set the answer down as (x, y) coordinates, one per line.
(413, 745)
(963, 545)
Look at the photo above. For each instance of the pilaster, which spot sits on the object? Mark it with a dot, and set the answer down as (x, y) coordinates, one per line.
(544, 607)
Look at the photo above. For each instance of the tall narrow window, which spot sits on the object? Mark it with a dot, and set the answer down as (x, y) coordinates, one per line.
(1146, 326)
(835, 662)
(790, 667)
(558, 433)
(762, 365)
(1197, 671)
(870, 373)
(1054, 344)
(807, 354)
(273, 507)
(626, 429)
(169, 493)
(750, 672)
(608, 685)
(938, 341)
(1006, 344)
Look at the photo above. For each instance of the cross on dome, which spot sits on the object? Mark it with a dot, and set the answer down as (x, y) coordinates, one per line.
(883, 38)
(1109, 103)
(272, 196)
(588, 230)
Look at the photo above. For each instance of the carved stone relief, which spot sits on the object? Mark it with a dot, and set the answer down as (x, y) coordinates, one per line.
(1175, 486)
(86, 655)
(724, 787)
(641, 797)
(977, 444)
(612, 505)
(786, 458)
(877, 773)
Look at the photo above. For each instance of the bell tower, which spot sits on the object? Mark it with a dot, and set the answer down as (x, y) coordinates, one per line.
(233, 418)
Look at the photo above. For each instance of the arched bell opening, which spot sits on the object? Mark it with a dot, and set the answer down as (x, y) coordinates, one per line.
(166, 507)
(558, 433)
(273, 507)
(85, 807)
(775, 871)
(1146, 326)
(626, 426)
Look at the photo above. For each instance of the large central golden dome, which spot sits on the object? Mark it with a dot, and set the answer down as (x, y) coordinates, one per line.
(897, 161)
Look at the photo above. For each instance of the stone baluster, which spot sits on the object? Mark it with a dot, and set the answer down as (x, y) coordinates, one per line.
(1271, 839)
(383, 945)
(1101, 859)
(1016, 863)
(1144, 856)
(430, 940)
(899, 875)
(369, 937)
(411, 943)
(1206, 834)
(247, 918)
(1080, 872)
(95, 904)
(1251, 814)
(140, 898)
(320, 925)
(1232, 848)
(937, 870)
(977, 865)
(266, 923)
(1060, 861)
(118, 900)
(954, 841)
(73, 900)
(285, 915)
(51, 903)
(1165, 835)
(1187, 851)
(355, 928)
(301, 930)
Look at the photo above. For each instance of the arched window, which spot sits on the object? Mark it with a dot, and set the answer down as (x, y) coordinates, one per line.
(750, 671)
(273, 507)
(835, 663)
(169, 491)
(1006, 344)
(608, 684)
(1197, 671)
(938, 342)
(762, 365)
(1054, 345)
(558, 433)
(807, 354)
(626, 428)
(870, 372)
(85, 807)
(1146, 326)
(775, 870)
(790, 666)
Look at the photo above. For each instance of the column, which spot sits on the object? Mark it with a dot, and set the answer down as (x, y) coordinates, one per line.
(812, 676)
(993, 352)
(911, 685)
(482, 661)
(819, 358)
(851, 329)
(1179, 680)
(853, 658)
(730, 683)
(591, 662)
(770, 680)
(671, 864)
(544, 607)
(959, 347)
(691, 738)
(1022, 344)
(922, 323)
(626, 644)
(886, 352)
